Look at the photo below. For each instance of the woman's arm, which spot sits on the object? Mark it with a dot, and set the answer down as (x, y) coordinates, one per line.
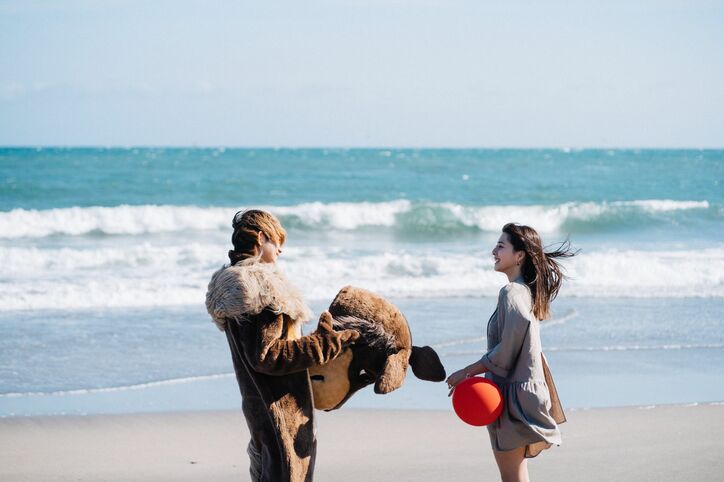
(469, 371)
(501, 357)
(268, 353)
(511, 315)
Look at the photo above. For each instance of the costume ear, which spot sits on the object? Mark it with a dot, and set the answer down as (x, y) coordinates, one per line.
(393, 373)
(426, 364)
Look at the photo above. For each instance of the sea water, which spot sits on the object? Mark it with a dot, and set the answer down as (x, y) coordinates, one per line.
(105, 255)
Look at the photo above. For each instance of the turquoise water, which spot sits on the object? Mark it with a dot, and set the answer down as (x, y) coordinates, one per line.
(56, 178)
(106, 254)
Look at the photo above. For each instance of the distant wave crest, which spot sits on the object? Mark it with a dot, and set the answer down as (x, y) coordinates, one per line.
(400, 215)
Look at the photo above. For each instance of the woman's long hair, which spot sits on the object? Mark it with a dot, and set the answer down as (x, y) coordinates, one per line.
(540, 270)
(247, 226)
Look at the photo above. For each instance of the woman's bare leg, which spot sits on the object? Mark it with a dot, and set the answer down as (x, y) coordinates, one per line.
(512, 465)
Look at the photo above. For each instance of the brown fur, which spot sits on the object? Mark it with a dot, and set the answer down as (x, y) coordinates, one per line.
(271, 369)
(365, 304)
(248, 288)
(381, 355)
(271, 361)
(393, 373)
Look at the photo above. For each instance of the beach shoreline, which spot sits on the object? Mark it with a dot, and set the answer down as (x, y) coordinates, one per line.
(662, 443)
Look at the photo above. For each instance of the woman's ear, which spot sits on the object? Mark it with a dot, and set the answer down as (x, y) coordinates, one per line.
(521, 257)
(260, 239)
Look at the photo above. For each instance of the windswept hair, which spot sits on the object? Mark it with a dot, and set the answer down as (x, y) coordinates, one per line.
(541, 271)
(247, 226)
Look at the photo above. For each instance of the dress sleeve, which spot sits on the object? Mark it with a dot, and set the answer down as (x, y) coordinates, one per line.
(511, 316)
(267, 352)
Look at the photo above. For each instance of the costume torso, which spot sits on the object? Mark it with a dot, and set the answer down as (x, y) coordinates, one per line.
(261, 313)
(278, 409)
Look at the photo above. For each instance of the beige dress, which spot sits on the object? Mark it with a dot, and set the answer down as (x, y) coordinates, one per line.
(515, 362)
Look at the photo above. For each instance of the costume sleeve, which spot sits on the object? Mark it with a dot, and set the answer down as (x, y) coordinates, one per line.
(511, 316)
(269, 353)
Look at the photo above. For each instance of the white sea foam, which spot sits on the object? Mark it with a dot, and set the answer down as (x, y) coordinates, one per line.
(343, 216)
(673, 346)
(635, 273)
(133, 220)
(400, 214)
(703, 346)
(137, 386)
(150, 275)
(33, 261)
(659, 205)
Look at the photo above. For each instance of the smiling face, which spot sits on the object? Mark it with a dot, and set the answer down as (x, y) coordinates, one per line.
(506, 258)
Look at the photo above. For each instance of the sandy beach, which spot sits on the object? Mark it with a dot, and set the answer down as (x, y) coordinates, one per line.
(390, 145)
(665, 443)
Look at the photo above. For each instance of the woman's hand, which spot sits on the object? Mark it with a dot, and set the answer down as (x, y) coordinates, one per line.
(456, 378)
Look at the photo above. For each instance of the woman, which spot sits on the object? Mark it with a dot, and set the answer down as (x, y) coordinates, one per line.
(514, 361)
(261, 313)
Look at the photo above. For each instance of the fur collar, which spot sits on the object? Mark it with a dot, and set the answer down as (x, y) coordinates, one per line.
(248, 288)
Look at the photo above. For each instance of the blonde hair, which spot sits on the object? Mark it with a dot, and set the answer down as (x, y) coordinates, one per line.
(247, 226)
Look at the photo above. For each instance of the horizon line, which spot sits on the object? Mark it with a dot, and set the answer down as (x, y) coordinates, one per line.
(341, 148)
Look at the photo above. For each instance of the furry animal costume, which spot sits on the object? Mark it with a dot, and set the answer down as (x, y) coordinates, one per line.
(381, 355)
(261, 314)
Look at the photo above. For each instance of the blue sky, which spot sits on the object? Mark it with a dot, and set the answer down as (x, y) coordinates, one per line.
(362, 73)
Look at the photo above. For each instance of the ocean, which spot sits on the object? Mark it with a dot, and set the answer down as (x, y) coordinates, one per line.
(105, 255)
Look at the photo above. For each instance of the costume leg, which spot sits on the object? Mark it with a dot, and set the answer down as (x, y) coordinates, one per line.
(265, 462)
(313, 458)
(255, 463)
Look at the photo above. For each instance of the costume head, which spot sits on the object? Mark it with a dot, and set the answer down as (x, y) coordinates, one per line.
(381, 355)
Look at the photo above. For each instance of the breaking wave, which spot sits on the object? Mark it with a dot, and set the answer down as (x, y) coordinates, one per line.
(400, 216)
(146, 275)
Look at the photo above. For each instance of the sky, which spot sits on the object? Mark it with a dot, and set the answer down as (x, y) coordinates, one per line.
(352, 73)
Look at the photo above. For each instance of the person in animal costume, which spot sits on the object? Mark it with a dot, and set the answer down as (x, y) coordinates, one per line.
(262, 313)
(362, 339)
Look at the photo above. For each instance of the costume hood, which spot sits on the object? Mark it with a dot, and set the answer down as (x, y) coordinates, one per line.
(248, 288)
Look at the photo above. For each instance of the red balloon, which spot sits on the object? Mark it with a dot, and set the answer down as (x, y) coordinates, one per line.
(477, 401)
